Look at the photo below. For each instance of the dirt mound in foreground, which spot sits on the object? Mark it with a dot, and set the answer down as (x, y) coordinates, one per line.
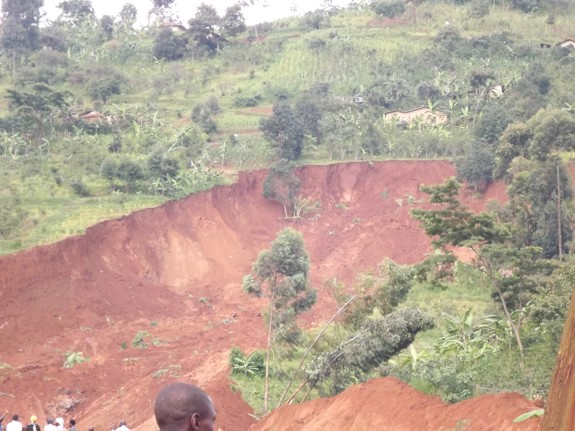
(390, 405)
(171, 276)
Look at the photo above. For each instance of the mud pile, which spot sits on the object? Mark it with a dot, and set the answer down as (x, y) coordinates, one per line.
(172, 277)
(390, 405)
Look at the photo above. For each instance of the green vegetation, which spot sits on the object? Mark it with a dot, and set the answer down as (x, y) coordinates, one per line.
(139, 340)
(281, 275)
(71, 359)
(371, 329)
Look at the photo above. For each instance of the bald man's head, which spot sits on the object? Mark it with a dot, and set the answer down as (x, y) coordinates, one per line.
(184, 407)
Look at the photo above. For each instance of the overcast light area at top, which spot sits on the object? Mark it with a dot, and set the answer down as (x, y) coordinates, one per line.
(185, 9)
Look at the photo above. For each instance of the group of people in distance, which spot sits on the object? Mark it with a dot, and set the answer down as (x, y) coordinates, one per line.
(51, 424)
(178, 407)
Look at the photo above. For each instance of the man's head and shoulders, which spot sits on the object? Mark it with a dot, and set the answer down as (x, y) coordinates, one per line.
(184, 407)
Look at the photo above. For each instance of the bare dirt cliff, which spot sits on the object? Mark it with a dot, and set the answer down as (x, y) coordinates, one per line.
(173, 275)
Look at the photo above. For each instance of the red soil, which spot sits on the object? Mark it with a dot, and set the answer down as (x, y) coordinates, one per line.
(175, 271)
(390, 405)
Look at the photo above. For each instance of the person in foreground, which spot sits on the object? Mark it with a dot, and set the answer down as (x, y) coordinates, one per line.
(184, 407)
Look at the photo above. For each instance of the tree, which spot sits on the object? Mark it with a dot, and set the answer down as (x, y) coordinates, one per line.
(107, 27)
(282, 184)
(19, 31)
(375, 342)
(161, 165)
(76, 11)
(103, 87)
(203, 28)
(492, 124)
(310, 114)
(130, 172)
(284, 131)
(380, 290)
(476, 167)
(202, 116)
(539, 196)
(317, 19)
(233, 22)
(280, 274)
(169, 46)
(33, 108)
(514, 142)
(389, 8)
(128, 16)
(508, 268)
(552, 130)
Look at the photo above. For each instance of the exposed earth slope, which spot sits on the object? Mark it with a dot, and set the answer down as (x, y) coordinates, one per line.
(173, 275)
(390, 405)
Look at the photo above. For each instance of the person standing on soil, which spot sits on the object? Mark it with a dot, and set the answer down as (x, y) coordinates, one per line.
(50, 425)
(60, 424)
(122, 427)
(72, 425)
(184, 407)
(14, 425)
(33, 426)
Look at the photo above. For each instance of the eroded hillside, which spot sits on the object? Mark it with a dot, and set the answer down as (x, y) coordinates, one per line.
(173, 275)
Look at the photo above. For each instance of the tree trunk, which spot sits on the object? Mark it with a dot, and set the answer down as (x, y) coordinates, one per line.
(559, 236)
(560, 409)
(514, 327)
(266, 386)
(310, 347)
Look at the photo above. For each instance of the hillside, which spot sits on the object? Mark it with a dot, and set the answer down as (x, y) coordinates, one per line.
(388, 404)
(161, 271)
(198, 139)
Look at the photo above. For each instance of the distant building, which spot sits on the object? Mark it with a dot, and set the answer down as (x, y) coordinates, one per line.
(96, 117)
(423, 114)
(357, 99)
(567, 43)
(176, 27)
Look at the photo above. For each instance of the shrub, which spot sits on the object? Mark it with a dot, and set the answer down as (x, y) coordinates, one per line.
(80, 189)
(72, 359)
(253, 365)
(138, 341)
(390, 8)
(247, 102)
(213, 105)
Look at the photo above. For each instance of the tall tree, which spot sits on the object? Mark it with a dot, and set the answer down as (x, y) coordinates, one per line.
(233, 22)
(284, 131)
(204, 27)
(36, 108)
(128, 16)
(76, 11)
(107, 27)
(280, 274)
(19, 31)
